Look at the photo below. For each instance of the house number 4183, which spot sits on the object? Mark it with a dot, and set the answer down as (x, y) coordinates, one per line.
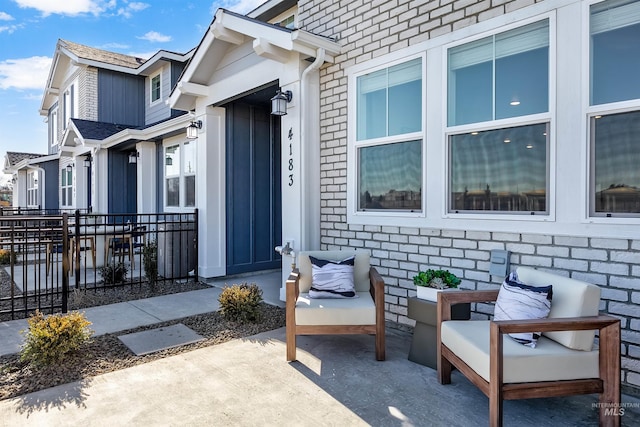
(290, 138)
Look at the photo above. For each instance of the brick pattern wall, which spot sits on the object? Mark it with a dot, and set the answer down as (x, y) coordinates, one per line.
(367, 29)
(88, 88)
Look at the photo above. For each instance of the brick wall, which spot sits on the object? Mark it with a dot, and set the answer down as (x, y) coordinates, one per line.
(88, 88)
(368, 29)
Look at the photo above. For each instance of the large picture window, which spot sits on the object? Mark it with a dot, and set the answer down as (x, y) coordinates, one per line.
(501, 170)
(614, 63)
(389, 116)
(502, 76)
(180, 175)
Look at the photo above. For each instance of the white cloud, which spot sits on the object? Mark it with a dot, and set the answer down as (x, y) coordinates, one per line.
(155, 37)
(143, 55)
(114, 46)
(132, 7)
(24, 73)
(68, 7)
(5, 17)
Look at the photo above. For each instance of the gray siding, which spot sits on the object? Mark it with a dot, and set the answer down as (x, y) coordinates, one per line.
(159, 110)
(120, 98)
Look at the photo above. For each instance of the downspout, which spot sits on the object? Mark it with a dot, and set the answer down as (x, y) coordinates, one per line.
(315, 65)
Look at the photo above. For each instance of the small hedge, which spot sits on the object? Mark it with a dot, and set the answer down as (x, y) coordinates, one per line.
(114, 273)
(48, 339)
(241, 303)
(6, 256)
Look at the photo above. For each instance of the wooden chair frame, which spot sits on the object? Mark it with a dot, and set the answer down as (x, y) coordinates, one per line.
(607, 385)
(292, 329)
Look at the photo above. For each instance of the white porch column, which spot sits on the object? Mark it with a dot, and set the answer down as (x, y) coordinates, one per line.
(20, 190)
(146, 175)
(210, 192)
(81, 176)
(300, 171)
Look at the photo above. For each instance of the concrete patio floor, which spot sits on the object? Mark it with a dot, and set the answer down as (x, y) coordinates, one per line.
(247, 382)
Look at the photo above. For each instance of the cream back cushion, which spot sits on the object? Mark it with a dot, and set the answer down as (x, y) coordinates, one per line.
(360, 268)
(571, 298)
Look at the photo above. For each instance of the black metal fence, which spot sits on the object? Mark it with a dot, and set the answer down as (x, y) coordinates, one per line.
(46, 257)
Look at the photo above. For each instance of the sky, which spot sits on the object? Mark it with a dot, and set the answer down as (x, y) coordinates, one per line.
(30, 29)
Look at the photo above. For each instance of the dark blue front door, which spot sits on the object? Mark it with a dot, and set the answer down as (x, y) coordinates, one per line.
(253, 197)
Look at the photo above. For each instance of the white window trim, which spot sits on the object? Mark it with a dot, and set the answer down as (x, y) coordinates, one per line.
(355, 216)
(501, 123)
(70, 108)
(32, 190)
(593, 110)
(70, 200)
(181, 175)
(53, 126)
(153, 76)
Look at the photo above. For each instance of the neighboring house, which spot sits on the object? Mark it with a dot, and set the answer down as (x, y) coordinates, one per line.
(428, 133)
(34, 178)
(108, 120)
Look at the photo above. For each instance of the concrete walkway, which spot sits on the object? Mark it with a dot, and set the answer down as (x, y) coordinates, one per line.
(247, 382)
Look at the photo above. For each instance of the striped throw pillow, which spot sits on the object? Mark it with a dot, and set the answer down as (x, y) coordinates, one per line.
(518, 301)
(332, 279)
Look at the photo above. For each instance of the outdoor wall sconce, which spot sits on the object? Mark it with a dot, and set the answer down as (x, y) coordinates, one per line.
(192, 129)
(87, 162)
(279, 102)
(69, 168)
(133, 157)
(168, 161)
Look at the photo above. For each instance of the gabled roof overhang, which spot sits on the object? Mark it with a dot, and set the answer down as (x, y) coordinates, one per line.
(228, 28)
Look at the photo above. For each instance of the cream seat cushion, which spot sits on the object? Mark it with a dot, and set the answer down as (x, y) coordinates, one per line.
(571, 298)
(348, 311)
(549, 361)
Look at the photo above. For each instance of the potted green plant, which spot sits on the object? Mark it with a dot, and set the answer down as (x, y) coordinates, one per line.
(430, 282)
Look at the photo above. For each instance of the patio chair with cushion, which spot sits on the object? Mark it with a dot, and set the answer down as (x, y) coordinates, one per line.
(334, 292)
(562, 361)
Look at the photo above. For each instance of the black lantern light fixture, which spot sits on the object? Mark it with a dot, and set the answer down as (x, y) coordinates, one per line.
(192, 129)
(279, 102)
(133, 157)
(87, 162)
(69, 168)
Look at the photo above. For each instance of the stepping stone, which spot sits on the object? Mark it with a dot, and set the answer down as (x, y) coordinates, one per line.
(146, 342)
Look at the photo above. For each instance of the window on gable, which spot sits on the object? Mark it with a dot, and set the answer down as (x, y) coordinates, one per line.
(614, 68)
(502, 167)
(289, 22)
(69, 104)
(389, 138)
(180, 175)
(53, 126)
(155, 88)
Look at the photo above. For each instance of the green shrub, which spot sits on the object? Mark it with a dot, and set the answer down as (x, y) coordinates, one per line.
(49, 339)
(150, 262)
(241, 303)
(114, 273)
(7, 256)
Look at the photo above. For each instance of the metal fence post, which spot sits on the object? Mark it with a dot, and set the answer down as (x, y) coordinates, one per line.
(65, 262)
(195, 242)
(76, 254)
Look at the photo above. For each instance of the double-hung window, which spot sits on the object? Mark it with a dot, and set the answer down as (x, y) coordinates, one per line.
(614, 111)
(156, 88)
(32, 189)
(69, 104)
(498, 122)
(66, 187)
(180, 175)
(53, 126)
(388, 144)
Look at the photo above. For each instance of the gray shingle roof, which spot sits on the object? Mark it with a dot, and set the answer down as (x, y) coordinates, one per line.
(15, 158)
(99, 130)
(100, 55)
